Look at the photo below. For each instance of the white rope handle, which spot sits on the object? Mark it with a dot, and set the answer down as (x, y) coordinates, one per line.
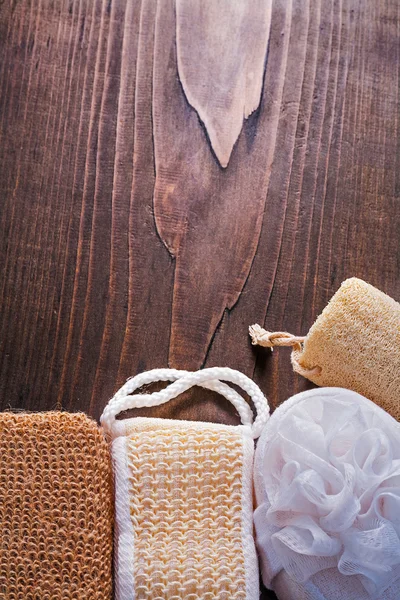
(122, 400)
(211, 378)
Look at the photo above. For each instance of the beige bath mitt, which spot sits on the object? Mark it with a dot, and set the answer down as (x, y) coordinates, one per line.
(354, 343)
(183, 493)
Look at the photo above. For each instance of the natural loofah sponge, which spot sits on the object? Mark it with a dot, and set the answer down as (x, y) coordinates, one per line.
(354, 343)
(56, 508)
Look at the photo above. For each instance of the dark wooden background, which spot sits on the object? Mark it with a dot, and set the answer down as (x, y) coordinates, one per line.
(125, 245)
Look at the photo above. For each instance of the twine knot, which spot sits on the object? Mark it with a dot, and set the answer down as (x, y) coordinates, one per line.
(268, 339)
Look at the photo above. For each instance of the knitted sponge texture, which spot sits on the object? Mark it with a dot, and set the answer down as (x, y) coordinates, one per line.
(356, 343)
(192, 538)
(55, 508)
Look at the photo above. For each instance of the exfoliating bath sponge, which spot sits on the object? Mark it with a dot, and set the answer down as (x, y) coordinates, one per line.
(56, 507)
(354, 343)
(183, 493)
(327, 484)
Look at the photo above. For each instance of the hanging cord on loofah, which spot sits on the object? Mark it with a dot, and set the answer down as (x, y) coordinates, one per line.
(268, 339)
(211, 378)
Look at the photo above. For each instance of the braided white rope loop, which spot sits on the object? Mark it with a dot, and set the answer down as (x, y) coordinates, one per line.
(211, 379)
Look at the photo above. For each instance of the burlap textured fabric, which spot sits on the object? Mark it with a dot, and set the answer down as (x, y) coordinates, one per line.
(56, 508)
(356, 344)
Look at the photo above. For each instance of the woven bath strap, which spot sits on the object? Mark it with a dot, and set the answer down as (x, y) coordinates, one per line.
(211, 378)
(268, 339)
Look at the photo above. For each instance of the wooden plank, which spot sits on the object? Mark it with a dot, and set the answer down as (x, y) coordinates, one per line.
(126, 245)
(199, 207)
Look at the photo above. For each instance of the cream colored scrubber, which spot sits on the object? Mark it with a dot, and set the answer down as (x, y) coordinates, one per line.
(183, 493)
(354, 343)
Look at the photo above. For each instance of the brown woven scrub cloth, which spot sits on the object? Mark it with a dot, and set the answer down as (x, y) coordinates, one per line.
(56, 509)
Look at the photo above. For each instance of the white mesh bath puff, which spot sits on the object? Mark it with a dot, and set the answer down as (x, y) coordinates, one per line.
(327, 483)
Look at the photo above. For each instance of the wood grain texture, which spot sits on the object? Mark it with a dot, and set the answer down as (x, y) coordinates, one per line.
(124, 245)
(221, 50)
